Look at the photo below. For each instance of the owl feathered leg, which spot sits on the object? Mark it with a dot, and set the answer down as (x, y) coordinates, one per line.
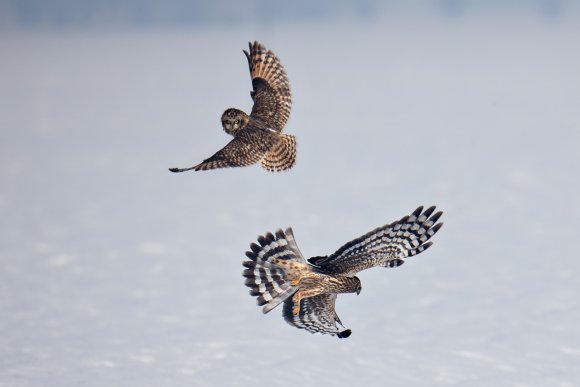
(282, 156)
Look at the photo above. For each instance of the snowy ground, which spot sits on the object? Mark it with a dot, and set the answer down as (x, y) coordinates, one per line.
(115, 272)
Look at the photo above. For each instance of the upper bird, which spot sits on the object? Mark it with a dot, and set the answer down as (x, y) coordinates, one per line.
(258, 137)
(277, 272)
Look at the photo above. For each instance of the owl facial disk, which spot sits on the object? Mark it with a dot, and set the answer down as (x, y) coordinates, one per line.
(230, 124)
(233, 120)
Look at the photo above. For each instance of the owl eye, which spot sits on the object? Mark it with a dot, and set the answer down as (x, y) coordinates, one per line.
(236, 122)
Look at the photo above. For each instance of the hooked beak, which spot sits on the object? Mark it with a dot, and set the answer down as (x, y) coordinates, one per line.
(358, 292)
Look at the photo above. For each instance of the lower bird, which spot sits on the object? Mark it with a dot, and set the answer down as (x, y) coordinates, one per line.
(277, 272)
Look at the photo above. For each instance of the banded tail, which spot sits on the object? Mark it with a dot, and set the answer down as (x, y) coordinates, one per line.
(271, 268)
(282, 156)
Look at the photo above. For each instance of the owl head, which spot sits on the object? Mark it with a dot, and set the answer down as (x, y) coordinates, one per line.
(233, 120)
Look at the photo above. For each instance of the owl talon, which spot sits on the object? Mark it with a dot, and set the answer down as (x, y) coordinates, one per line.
(296, 310)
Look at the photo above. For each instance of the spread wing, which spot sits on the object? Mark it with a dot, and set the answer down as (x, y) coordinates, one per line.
(317, 315)
(245, 149)
(386, 246)
(271, 94)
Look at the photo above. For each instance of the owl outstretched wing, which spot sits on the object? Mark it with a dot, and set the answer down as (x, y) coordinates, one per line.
(386, 246)
(246, 149)
(271, 88)
(317, 315)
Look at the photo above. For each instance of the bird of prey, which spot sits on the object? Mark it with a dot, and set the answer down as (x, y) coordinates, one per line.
(258, 136)
(277, 272)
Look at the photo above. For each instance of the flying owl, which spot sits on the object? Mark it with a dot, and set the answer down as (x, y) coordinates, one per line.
(277, 273)
(258, 137)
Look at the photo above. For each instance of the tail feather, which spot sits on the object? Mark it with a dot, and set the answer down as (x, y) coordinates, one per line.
(280, 299)
(282, 156)
(265, 282)
(266, 279)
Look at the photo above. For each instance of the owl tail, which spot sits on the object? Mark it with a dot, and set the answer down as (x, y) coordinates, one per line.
(282, 156)
(269, 268)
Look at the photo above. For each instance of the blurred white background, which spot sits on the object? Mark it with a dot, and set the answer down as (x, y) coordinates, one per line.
(116, 272)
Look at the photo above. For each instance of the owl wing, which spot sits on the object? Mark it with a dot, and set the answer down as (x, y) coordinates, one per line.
(245, 149)
(386, 246)
(271, 89)
(317, 315)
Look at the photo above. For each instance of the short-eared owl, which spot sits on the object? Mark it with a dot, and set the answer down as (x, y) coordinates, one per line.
(278, 273)
(258, 137)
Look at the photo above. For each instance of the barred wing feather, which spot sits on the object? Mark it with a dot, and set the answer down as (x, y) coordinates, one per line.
(386, 246)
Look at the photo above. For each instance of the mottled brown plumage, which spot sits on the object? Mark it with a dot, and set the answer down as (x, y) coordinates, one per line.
(277, 273)
(258, 137)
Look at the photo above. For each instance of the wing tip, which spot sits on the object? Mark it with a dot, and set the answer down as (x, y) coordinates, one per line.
(436, 228)
(418, 211)
(177, 170)
(344, 334)
(436, 216)
(427, 213)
